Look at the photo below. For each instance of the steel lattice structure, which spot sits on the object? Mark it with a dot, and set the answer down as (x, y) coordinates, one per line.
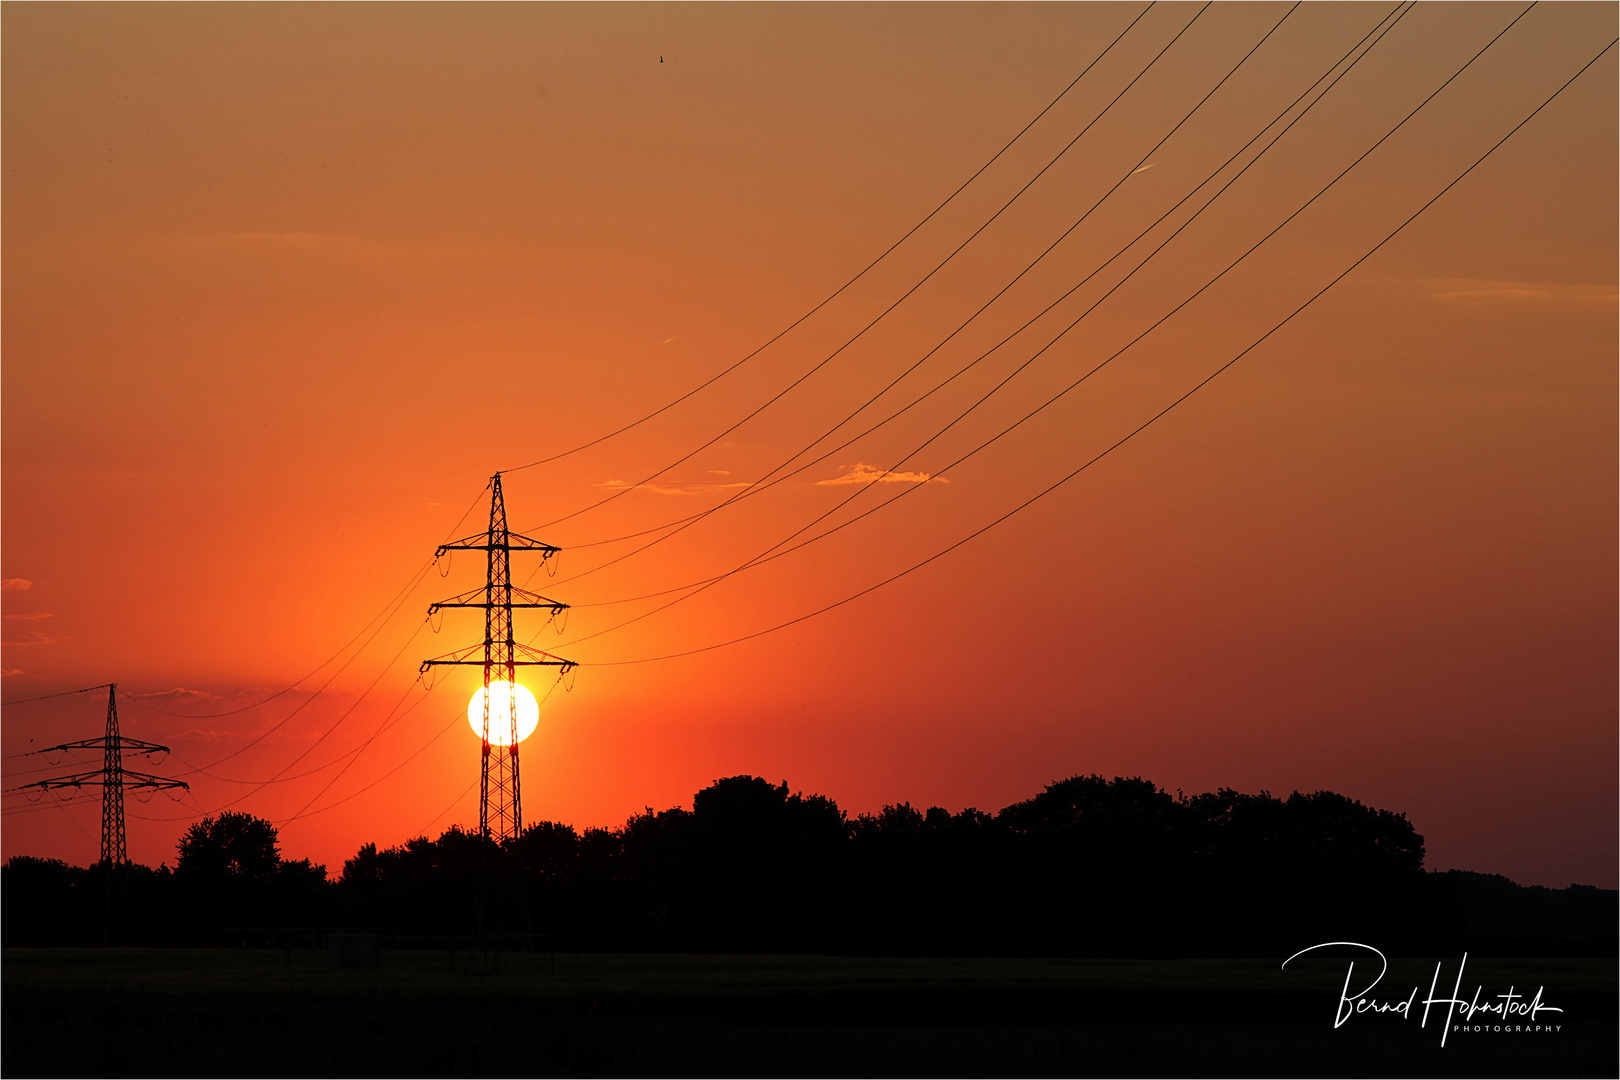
(113, 779)
(500, 801)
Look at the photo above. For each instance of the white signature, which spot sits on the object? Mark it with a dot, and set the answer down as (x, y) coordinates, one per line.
(1505, 1007)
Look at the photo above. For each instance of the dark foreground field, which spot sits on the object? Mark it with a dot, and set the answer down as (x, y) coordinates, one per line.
(248, 1013)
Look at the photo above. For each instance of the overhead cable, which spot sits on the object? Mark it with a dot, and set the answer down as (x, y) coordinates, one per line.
(1151, 420)
(862, 273)
(1386, 25)
(886, 311)
(769, 479)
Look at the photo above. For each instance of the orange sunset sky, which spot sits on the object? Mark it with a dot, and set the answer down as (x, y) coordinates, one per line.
(285, 284)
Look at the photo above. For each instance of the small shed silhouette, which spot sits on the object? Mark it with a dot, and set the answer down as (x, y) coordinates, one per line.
(355, 948)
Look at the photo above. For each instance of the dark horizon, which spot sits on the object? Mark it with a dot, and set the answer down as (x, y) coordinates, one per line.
(1088, 866)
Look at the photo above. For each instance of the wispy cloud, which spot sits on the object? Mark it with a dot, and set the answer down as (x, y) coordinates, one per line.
(10, 583)
(208, 735)
(1485, 290)
(181, 693)
(862, 473)
(28, 616)
(10, 671)
(699, 487)
(25, 637)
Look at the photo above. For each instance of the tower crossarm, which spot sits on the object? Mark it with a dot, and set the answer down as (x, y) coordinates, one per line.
(522, 656)
(137, 745)
(98, 778)
(85, 779)
(153, 783)
(514, 542)
(144, 747)
(479, 598)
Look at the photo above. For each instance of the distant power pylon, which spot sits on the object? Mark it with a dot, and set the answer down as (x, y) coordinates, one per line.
(113, 779)
(500, 801)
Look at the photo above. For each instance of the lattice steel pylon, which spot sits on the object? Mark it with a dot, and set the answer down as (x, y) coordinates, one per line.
(500, 801)
(113, 778)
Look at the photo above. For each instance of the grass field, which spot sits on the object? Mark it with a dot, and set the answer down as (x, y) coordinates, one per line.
(252, 1013)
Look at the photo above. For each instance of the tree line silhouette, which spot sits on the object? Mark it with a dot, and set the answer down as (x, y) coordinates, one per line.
(1089, 866)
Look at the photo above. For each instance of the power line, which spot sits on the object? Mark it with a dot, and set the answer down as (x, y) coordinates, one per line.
(278, 725)
(760, 484)
(399, 596)
(1206, 381)
(886, 311)
(766, 555)
(395, 602)
(62, 804)
(1162, 319)
(47, 697)
(388, 721)
(286, 779)
(464, 793)
(863, 272)
(412, 757)
(766, 482)
(442, 732)
(398, 602)
(278, 777)
(205, 770)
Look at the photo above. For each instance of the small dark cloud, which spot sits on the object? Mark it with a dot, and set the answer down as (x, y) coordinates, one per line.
(25, 637)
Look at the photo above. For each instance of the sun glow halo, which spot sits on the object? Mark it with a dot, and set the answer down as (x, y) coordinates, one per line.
(500, 697)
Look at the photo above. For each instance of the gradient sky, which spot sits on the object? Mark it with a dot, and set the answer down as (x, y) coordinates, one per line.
(284, 284)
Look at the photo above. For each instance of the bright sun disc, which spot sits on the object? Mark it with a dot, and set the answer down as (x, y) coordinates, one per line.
(500, 724)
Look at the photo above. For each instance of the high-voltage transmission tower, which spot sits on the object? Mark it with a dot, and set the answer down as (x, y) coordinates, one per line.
(500, 799)
(113, 779)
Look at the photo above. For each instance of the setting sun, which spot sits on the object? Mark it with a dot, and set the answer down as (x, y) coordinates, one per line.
(528, 713)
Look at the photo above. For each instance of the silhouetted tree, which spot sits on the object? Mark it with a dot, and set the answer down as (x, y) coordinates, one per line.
(229, 873)
(749, 862)
(1090, 865)
(547, 850)
(230, 845)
